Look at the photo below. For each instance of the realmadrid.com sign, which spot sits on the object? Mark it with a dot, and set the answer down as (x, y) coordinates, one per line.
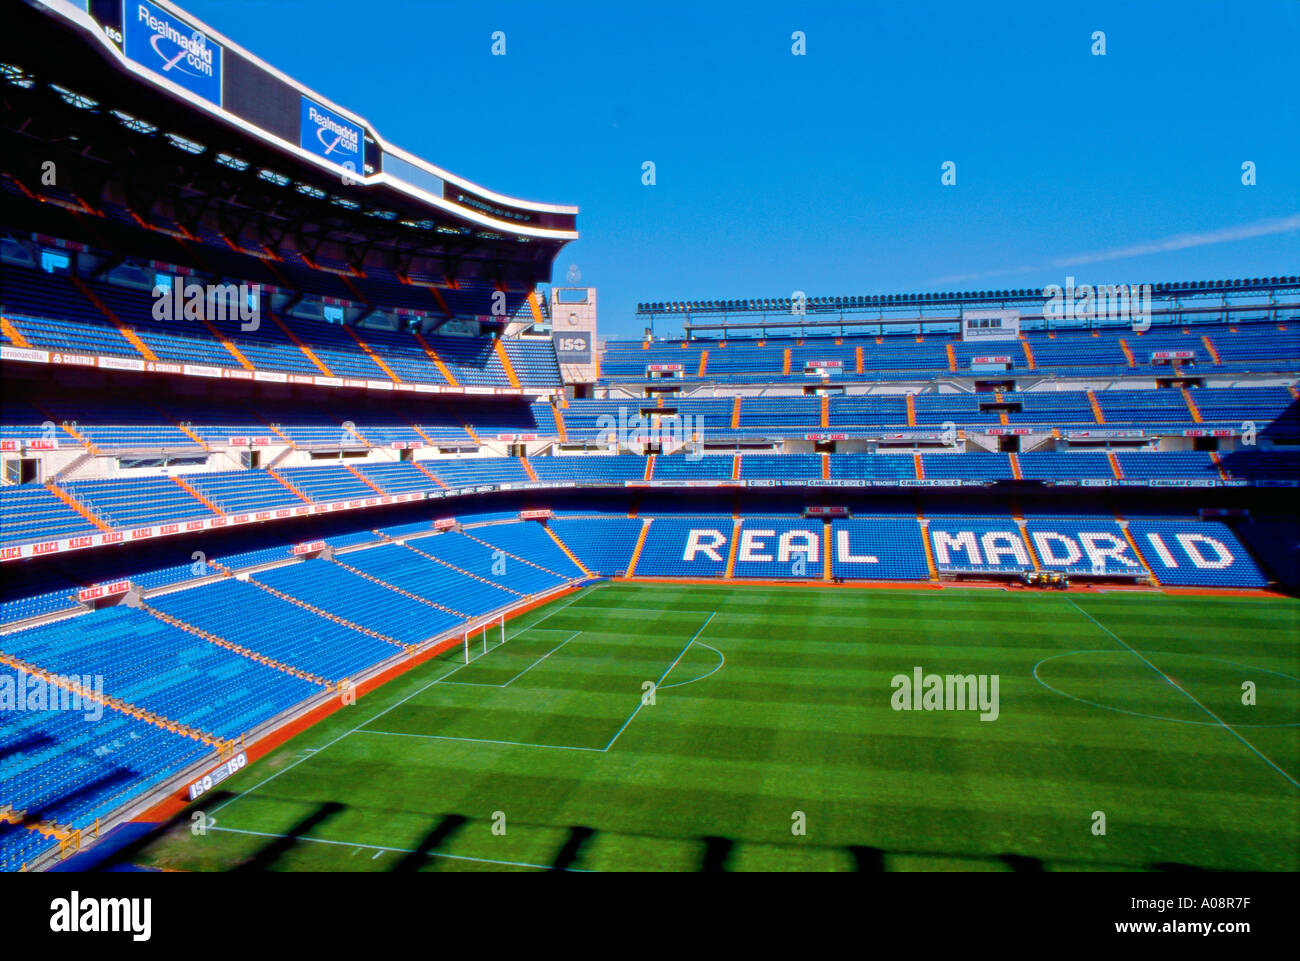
(172, 48)
(326, 134)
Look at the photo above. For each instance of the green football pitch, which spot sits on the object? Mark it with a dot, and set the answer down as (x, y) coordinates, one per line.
(679, 727)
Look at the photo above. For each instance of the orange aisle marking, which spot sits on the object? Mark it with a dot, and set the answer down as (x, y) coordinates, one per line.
(297, 342)
(76, 505)
(505, 363)
(369, 352)
(636, 551)
(194, 492)
(12, 334)
(437, 361)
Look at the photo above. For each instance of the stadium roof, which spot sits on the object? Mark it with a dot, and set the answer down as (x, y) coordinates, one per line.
(244, 147)
(790, 312)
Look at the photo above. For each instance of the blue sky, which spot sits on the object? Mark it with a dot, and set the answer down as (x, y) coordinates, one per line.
(821, 172)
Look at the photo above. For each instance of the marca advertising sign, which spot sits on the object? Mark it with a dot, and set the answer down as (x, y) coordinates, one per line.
(100, 591)
(326, 134)
(172, 48)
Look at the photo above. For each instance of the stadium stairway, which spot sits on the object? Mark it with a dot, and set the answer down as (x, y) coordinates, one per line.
(506, 365)
(565, 547)
(517, 557)
(438, 362)
(929, 551)
(77, 506)
(184, 485)
(297, 341)
(295, 491)
(1128, 536)
(125, 707)
(369, 352)
(233, 647)
(1024, 536)
(730, 571)
(640, 546)
(399, 590)
(217, 334)
(326, 614)
(129, 335)
(461, 570)
(429, 474)
(559, 421)
(364, 479)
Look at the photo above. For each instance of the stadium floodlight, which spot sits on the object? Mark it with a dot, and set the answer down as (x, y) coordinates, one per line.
(192, 146)
(136, 124)
(233, 162)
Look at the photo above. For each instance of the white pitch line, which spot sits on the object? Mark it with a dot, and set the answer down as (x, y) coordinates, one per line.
(641, 703)
(479, 740)
(380, 849)
(722, 662)
(386, 710)
(521, 673)
(646, 610)
(542, 658)
(1260, 754)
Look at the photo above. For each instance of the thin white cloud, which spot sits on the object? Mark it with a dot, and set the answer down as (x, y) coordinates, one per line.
(1262, 228)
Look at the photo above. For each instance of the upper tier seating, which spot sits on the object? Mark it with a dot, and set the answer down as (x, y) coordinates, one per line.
(1255, 345)
(50, 311)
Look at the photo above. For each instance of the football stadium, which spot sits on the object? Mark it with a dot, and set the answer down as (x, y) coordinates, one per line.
(339, 533)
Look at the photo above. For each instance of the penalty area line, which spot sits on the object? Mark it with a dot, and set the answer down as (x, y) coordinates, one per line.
(521, 673)
(284, 770)
(722, 662)
(641, 703)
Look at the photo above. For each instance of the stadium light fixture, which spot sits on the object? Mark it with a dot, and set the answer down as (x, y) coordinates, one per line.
(193, 147)
(136, 124)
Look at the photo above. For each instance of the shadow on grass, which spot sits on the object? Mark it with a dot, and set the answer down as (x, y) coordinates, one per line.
(440, 835)
(130, 852)
(717, 853)
(571, 850)
(266, 858)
